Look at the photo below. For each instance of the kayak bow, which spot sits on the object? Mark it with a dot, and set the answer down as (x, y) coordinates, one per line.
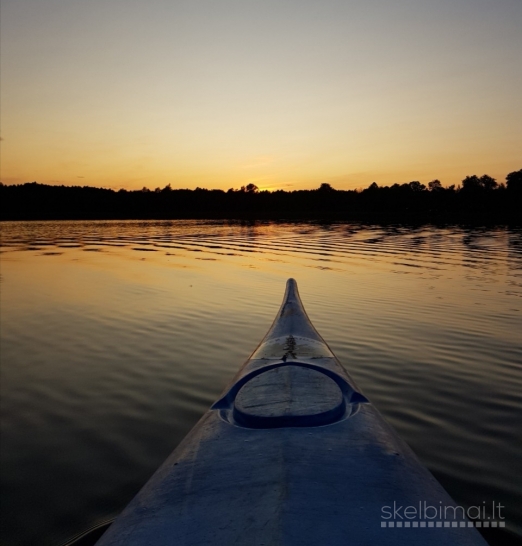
(291, 454)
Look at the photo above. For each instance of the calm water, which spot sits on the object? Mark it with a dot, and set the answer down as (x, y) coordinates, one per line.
(117, 336)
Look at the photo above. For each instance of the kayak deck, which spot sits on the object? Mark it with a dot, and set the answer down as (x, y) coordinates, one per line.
(291, 454)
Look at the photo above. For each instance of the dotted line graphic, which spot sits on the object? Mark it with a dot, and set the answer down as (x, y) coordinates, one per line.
(443, 524)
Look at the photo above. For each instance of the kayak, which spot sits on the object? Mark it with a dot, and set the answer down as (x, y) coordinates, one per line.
(292, 453)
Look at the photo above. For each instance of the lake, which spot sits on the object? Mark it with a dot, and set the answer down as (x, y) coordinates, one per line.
(117, 336)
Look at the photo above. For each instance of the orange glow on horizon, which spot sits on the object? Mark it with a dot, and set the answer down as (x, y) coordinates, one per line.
(346, 95)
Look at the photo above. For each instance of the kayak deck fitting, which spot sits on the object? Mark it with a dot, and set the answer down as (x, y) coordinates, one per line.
(291, 454)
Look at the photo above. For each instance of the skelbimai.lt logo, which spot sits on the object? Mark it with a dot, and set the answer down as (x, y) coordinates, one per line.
(428, 516)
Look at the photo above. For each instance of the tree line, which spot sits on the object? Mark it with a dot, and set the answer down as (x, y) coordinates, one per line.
(476, 200)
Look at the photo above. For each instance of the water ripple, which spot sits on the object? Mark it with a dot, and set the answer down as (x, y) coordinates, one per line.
(117, 336)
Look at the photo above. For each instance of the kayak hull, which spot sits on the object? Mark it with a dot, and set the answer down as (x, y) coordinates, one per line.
(291, 454)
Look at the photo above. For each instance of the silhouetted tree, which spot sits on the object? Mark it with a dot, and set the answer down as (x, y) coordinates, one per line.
(481, 200)
(416, 186)
(435, 185)
(249, 188)
(474, 183)
(471, 183)
(514, 181)
(488, 183)
(325, 188)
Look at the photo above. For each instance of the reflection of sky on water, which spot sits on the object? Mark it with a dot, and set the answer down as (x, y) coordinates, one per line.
(110, 352)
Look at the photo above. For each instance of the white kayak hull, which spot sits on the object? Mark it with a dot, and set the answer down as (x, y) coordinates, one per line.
(291, 454)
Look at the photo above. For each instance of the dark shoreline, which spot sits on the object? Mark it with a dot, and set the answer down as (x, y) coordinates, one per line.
(475, 203)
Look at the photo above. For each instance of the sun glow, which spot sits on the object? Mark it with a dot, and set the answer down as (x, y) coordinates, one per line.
(192, 95)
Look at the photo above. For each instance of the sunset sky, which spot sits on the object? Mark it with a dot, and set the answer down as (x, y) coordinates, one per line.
(283, 94)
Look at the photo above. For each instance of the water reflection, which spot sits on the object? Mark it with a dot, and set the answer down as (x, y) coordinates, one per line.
(336, 242)
(116, 337)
